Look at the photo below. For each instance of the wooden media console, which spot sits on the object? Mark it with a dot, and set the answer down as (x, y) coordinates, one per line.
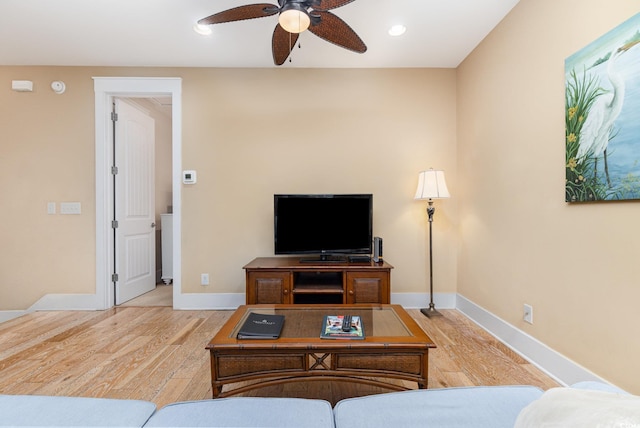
(288, 280)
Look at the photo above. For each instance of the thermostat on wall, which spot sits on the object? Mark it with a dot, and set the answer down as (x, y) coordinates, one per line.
(189, 177)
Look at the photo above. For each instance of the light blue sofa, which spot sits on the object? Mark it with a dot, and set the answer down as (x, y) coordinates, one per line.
(490, 406)
(46, 411)
(495, 407)
(478, 406)
(248, 412)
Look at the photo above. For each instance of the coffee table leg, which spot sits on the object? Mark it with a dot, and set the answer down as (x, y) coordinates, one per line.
(425, 371)
(216, 390)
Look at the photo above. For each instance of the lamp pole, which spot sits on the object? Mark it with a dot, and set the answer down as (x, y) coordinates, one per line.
(431, 310)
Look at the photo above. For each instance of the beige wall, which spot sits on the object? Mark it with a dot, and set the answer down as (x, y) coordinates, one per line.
(47, 155)
(519, 241)
(249, 134)
(253, 133)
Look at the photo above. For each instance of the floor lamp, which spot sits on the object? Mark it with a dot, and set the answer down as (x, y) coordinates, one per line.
(431, 185)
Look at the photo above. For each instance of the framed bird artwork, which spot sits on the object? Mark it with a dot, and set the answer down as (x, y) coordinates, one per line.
(602, 117)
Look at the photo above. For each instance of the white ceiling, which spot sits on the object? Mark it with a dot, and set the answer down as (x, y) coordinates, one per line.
(440, 33)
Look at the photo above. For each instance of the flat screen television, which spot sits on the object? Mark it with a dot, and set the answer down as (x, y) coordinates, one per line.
(323, 225)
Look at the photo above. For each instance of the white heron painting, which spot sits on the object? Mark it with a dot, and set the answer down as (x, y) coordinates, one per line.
(602, 116)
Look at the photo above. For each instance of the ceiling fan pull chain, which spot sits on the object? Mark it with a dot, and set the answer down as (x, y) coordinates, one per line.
(290, 48)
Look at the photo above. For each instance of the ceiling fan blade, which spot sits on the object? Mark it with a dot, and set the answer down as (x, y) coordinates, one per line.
(240, 13)
(324, 5)
(282, 44)
(336, 31)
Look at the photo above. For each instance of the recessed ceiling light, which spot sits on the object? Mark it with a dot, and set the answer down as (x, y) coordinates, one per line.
(397, 30)
(203, 30)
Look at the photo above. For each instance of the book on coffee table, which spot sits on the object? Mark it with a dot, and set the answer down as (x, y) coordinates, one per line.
(332, 328)
(261, 326)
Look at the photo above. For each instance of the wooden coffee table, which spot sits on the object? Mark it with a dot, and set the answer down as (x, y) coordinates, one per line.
(394, 347)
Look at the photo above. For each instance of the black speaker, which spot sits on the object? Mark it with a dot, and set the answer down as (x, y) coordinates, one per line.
(377, 249)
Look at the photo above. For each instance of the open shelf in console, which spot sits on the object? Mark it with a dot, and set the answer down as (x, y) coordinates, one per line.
(317, 287)
(317, 283)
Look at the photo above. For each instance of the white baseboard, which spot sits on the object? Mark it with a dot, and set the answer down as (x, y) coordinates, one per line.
(66, 302)
(421, 300)
(554, 364)
(9, 315)
(199, 301)
(211, 301)
(56, 302)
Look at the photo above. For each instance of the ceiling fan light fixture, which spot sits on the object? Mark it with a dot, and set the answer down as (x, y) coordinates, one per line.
(203, 30)
(294, 18)
(397, 30)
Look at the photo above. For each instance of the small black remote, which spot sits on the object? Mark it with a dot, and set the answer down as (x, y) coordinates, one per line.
(346, 323)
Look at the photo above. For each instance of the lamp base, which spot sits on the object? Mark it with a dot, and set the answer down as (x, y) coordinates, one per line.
(430, 312)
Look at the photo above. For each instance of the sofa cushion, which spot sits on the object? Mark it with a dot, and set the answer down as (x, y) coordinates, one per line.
(492, 406)
(579, 408)
(35, 410)
(246, 412)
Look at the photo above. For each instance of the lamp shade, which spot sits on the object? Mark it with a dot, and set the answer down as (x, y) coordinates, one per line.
(431, 185)
(294, 18)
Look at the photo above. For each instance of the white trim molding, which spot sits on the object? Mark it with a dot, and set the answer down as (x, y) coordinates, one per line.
(210, 301)
(554, 364)
(421, 300)
(9, 315)
(56, 302)
(106, 88)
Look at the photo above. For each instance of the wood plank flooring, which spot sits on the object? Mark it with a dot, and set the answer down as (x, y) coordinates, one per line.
(158, 354)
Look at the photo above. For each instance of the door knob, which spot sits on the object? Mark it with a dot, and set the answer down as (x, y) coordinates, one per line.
(153, 225)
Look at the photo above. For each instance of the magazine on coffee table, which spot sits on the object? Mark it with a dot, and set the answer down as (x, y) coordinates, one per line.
(261, 326)
(332, 327)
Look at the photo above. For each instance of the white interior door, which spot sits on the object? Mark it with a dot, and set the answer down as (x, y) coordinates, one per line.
(134, 202)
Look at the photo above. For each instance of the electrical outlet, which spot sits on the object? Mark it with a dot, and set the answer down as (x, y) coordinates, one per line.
(204, 279)
(528, 314)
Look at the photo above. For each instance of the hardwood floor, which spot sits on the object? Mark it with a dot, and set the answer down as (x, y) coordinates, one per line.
(162, 295)
(157, 354)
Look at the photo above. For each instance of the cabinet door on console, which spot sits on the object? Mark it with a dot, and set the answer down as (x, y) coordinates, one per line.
(368, 287)
(268, 287)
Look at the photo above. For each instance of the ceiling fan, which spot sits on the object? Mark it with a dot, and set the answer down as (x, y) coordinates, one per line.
(296, 16)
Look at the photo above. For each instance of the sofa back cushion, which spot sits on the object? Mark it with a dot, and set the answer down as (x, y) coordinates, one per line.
(247, 412)
(495, 407)
(47, 411)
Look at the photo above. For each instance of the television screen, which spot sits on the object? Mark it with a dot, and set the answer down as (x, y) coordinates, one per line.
(323, 224)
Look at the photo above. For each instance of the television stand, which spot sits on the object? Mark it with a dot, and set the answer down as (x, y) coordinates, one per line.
(290, 280)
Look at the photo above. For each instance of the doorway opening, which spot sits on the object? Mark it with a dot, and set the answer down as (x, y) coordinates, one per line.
(143, 201)
(107, 91)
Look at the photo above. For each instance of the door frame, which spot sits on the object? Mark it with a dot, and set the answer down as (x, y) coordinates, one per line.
(106, 89)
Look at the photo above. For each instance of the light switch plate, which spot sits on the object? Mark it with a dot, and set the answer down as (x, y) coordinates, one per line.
(22, 85)
(70, 208)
